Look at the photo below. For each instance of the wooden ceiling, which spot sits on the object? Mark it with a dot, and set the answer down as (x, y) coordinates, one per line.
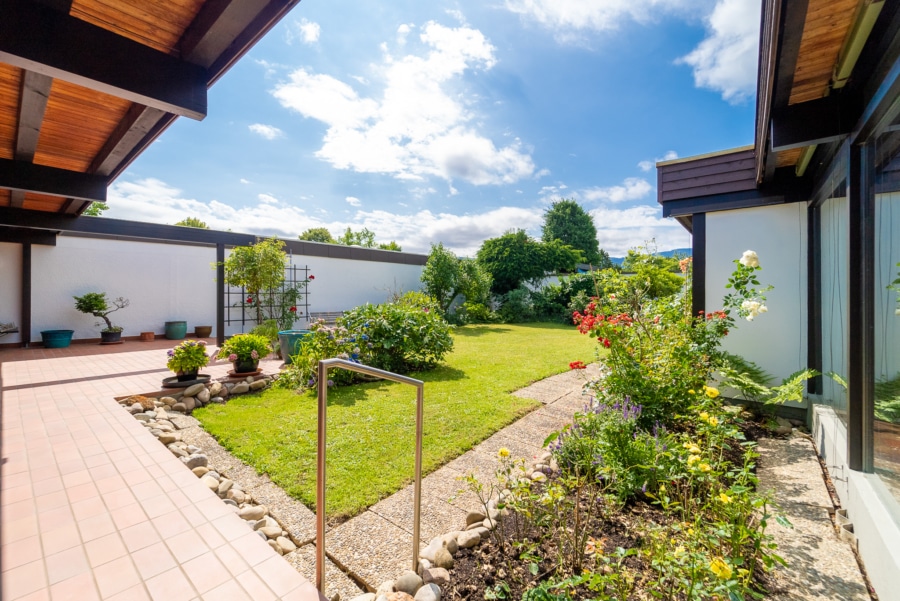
(87, 85)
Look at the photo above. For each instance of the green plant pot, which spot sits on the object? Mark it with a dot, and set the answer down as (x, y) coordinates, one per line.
(176, 330)
(291, 341)
(56, 338)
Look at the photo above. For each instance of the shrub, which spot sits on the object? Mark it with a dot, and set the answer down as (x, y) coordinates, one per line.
(245, 347)
(188, 356)
(516, 306)
(476, 313)
(402, 336)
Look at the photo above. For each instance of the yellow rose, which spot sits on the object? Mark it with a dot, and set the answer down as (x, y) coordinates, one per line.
(694, 449)
(720, 568)
(704, 416)
(503, 453)
(724, 498)
(692, 391)
(693, 459)
(704, 467)
(711, 392)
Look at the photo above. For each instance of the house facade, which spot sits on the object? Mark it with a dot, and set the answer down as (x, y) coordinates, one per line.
(818, 198)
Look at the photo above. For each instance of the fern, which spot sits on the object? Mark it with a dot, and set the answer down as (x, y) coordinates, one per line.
(887, 400)
(753, 382)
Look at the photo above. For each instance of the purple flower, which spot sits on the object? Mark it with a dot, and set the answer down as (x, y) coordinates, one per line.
(310, 382)
(331, 382)
(171, 352)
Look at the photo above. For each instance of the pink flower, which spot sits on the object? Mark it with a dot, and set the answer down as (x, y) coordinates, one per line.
(232, 357)
(254, 354)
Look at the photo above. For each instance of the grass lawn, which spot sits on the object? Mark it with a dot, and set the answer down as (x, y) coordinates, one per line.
(371, 427)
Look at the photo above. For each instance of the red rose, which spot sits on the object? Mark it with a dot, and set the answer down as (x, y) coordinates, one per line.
(312, 277)
(293, 309)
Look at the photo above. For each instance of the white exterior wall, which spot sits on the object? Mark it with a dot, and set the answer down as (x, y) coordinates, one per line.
(165, 282)
(776, 341)
(887, 251)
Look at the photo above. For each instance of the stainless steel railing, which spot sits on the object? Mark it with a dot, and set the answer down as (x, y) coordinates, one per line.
(324, 366)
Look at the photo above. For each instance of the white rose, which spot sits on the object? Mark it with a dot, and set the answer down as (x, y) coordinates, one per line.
(750, 317)
(749, 259)
(763, 308)
(897, 311)
(745, 305)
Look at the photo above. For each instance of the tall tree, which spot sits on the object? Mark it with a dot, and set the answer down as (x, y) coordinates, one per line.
(96, 209)
(569, 223)
(193, 222)
(446, 276)
(365, 238)
(317, 234)
(514, 258)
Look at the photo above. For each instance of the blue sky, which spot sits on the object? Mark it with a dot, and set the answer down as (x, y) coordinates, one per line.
(455, 121)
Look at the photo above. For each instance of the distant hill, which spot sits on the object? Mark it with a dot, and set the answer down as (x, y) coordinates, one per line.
(684, 252)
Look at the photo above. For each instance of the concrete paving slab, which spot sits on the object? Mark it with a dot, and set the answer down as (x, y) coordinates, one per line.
(336, 581)
(371, 547)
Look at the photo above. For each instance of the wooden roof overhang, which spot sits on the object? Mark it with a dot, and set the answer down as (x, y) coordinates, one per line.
(824, 67)
(87, 85)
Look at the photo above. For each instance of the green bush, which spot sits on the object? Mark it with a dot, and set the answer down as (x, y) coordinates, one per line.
(554, 302)
(403, 336)
(516, 307)
(475, 313)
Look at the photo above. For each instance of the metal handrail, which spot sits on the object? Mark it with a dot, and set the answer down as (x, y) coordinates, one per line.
(324, 366)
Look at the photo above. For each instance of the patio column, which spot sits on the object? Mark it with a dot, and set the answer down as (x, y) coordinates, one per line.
(220, 293)
(25, 328)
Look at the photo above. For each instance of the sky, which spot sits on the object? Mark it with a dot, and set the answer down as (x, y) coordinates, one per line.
(455, 121)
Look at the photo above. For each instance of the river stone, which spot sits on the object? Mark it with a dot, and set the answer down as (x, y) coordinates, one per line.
(438, 576)
(193, 390)
(203, 395)
(784, 426)
(167, 438)
(224, 486)
(483, 532)
(252, 512)
(237, 496)
(429, 592)
(429, 551)
(385, 588)
(189, 404)
(135, 409)
(211, 483)
(408, 583)
(489, 523)
(474, 517)
(217, 399)
(215, 389)
(142, 417)
(443, 558)
(179, 407)
(285, 544)
(196, 460)
(271, 531)
(200, 471)
(450, 540)
(258, 385)
(240, 388)
(364, 597)
(399, 596)
(168, 401)
(468, 539)
(275, 546)
(178, 452)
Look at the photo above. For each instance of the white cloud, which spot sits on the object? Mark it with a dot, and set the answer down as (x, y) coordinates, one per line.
(154, 201)
(244, 181)
(422, 123)
(726, 61)
(568, 18)
(353, 201)
(621, 229)
(403, 31)
(648, 165)
(633, 188)
(269, 132)
(305, 30)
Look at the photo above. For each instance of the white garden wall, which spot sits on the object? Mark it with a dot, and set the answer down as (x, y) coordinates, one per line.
(776, 341)
(165, 282)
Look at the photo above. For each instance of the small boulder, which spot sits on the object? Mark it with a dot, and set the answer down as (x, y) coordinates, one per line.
(167, 438)
(443, 559)
(252, 512)
(385, 588)
(193, 390)
(270, 531)
(189, 404)
(285, 544)
(203, 396)
(450, 540)
(196, 460)
(784, 426)
(210, 482)
(399, 596)
(438, 576)
(258, 385)
(179, 407)
(408, 583)
(168, 401)
(135, 409)
(467, 539)
(224, 486)
(474, 517)
(240, 388)
(275, 546)
(215, 389)
(200, 471)
(429, 592)
(364, 597)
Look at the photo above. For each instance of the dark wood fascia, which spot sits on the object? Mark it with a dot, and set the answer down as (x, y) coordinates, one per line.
(773, 194)
(102, 227)
(814, 297)
(28, 177)
(698, 256)
(52, 43)
(17, 235)
(784, 37)
(821, 121)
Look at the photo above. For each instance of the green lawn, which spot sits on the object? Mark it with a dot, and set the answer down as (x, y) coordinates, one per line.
(371, 427)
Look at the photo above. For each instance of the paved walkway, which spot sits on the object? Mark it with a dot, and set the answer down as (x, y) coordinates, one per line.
(93, 507)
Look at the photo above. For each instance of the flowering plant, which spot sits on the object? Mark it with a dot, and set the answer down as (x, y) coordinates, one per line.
(747, 300)
(245, 347)
(188, 356)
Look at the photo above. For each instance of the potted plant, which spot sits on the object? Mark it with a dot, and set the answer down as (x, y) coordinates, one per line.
(96, 304)
(244, 351)
(187, 358)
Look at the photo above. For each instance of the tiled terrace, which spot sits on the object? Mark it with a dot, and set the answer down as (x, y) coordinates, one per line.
(93, 507)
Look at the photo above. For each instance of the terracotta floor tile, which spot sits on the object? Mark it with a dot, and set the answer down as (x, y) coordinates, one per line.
(60, 539)
(48, 485)
(255, 586)
(105, 549)
(20, 552)
(14, 530)
(139, 536)
(136, 593)
(186, 546)
(129, 515)
(153, 560)
(206, 572)
(96, 526)
(81, 587)
(279, 575)
(24, 579)
(231, 559)
(171, 585)
(88, 508)
(116, 576)
(66, 564)
(230, 591)
(170, 524)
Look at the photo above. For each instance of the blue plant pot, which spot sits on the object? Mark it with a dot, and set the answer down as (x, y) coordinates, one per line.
(290, 342)
(56, 338)
(176, 330)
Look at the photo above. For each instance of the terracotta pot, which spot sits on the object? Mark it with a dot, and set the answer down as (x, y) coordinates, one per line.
(148, 336)
(202, 331)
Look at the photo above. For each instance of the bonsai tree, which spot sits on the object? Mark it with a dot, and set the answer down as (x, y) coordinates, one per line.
(95, 303)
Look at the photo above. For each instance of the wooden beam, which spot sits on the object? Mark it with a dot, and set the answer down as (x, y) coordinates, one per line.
(815, 122)
(28, 177)
(41, 39)
(20, 235)
(33, 97)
